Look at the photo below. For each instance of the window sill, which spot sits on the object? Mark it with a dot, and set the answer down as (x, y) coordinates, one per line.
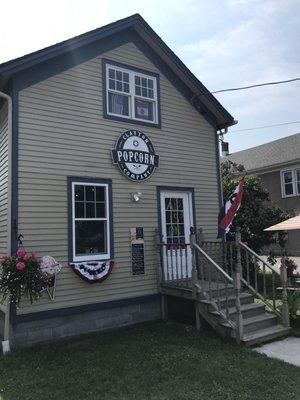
(290, 195)
(132, 121)
(91, 260)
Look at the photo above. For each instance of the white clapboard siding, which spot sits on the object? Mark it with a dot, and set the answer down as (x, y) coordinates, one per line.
(62, 133)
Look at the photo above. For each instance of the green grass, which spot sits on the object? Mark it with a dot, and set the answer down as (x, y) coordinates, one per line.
(159, 361)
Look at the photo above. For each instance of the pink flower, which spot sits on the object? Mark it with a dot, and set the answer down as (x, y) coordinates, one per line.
(2, 259)
(20, 266)
(28, 256)
(21, 252)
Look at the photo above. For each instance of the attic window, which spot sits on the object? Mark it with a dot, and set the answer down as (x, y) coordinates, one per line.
(131, 94)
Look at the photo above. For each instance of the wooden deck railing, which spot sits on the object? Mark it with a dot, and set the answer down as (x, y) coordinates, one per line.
(176, 264)
(256, 274)
(219, 272)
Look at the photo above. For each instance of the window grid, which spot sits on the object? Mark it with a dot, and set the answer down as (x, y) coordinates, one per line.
(133, 108)
(89, 197)
(175, 220)
(90, 205)
(290, 182)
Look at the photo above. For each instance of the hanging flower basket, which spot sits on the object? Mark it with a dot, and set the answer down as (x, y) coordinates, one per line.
(21, 275)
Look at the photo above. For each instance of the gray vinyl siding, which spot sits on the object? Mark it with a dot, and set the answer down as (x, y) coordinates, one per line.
(3, 180)
(62, 133)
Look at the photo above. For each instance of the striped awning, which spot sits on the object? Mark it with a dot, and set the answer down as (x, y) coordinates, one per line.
(288, 225)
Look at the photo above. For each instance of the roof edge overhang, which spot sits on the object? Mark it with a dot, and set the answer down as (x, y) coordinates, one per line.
(199, 93)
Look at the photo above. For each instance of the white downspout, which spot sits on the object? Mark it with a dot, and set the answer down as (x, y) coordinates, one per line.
(5, 343)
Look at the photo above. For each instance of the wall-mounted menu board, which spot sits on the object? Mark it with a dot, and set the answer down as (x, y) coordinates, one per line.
(137, 251)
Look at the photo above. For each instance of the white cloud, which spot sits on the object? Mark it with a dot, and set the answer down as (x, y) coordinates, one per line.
(261, 44)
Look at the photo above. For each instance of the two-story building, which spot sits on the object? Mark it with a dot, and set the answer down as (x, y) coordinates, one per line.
(108, 137)
(277, 163)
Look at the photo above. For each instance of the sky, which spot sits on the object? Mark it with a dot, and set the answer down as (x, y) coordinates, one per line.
(225, 43)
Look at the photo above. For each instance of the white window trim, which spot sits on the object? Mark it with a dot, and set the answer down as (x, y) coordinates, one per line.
(294, 182)
(92, 257)
(132, 96)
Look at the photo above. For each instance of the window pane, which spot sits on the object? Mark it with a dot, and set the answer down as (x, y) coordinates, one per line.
(79, 193)
(79, 209)
(144, 110)
(289, 189)
(100, 210)
(144, 92)
(144, 82)
(90, 210)
(112, 84)
(90, 193)
(119, 75)
(151, 93)
(150, 83)
(125, 77)
(118, 104)
(111, 73)
(137, 80)
(180, 204)
(126, 87)
(119, 86)
(138, 90)
(100, 193)
(288, 177)
(90, 237)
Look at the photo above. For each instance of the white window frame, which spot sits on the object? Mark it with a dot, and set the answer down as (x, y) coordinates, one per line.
(293, 170)
(132, 96)
(91, 257)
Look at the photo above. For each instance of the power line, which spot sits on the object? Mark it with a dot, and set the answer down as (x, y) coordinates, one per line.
(265, 126)
(258, 85)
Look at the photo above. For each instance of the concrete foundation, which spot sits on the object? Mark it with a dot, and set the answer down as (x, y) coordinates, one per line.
(52, 329)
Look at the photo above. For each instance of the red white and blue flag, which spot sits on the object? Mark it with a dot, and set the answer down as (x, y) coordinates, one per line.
(229, 210)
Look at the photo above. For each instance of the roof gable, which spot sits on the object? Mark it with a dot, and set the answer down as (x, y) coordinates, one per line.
(41, 64)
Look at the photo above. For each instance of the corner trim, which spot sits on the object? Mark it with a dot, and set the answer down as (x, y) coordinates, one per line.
(61, 312)
(219, 174)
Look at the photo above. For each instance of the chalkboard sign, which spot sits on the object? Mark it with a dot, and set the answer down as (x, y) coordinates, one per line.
(137, 257)
(137, 251)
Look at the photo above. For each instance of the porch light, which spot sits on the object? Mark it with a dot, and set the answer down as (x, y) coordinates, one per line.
(136, 196)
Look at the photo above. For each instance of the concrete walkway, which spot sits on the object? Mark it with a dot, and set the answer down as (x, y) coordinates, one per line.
(287, 350)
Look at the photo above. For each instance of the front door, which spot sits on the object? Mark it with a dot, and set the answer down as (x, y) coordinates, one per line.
(177, 220)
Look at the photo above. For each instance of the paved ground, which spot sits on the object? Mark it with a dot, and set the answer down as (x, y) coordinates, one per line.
(287, 350)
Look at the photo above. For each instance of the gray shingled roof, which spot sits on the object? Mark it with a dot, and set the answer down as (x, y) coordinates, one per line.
(276, 153)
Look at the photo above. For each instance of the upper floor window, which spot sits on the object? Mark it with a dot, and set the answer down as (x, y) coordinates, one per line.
(131, 94)
(290, 182)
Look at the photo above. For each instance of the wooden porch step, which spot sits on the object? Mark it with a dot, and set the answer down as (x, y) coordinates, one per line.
(265, 335)
(248, 310)
(245, 299)
(256, 323)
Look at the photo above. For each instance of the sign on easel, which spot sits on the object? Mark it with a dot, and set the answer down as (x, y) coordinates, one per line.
(137, 251)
